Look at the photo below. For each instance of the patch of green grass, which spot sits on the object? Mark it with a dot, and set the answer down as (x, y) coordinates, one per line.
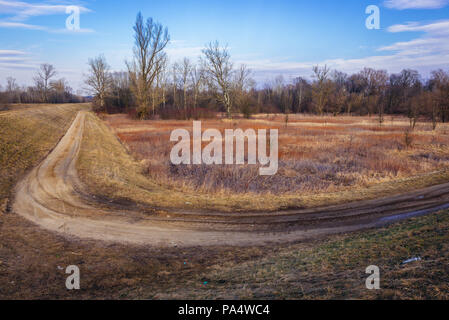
(335, 268)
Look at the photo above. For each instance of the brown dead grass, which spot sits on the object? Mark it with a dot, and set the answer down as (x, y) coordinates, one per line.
(33, 261)
(323, 162)
(27, 134)
(108, 170)
(316, 155)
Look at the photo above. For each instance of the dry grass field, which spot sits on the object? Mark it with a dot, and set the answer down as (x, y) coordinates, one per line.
(32, 260)
(323, 160)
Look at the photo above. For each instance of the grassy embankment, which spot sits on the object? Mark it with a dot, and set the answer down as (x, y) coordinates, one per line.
(33, 262)
(27, 134)
(335, 268)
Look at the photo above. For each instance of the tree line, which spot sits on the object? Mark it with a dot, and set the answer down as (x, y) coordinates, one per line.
(152, 87)
(46, 89)
(368, 92)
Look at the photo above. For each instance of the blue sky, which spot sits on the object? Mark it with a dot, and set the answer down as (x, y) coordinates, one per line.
(283, 37)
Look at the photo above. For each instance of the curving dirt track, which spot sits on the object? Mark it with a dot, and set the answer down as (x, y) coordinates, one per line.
(53, 197)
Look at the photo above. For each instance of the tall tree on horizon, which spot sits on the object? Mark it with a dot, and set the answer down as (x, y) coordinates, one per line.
(149, 59)
(322, 88)
(99, 79)
(219, 73)
(42, 79)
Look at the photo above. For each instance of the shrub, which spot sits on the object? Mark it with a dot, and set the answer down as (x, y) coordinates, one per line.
(408, 138)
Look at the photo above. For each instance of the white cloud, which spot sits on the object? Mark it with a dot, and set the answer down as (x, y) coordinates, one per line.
(18, 12)
(426, 53)
(19, 25)
(176, 52)
(436, 28)
(11, 53)
(17, 66)
(415, 4)
(435, 39)
(394, 63)
(11, 59)
(24, 10)
(15, 59)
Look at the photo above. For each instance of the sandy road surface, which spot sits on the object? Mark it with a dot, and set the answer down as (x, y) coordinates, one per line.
(51, 196)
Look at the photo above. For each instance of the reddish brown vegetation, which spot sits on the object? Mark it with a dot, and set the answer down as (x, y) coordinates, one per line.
(316, 154)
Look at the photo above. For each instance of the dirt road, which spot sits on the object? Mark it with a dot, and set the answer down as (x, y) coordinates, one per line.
(53, 197)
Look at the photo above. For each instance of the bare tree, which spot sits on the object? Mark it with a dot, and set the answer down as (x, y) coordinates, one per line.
(3, 99)
(150, 41)
(243, 79)
(375, 82)
(279, 84)
(219, 73)
(429, 106)
(185, 68)
(174, 72)
(99, 78)
(301, 87)
(322, 88)
(197, 75)
(440, 87)
(122, 97)
(156, 96)
(61, 90)
(164, 83)
(339, 97)
(12, 90)
(242, 83)
(42, 79)
(411, 84)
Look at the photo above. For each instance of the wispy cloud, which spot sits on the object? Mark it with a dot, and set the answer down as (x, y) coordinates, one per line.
(435, 39)
(415, 4)
(176, 54)
(7, 53)
(20, 25)
(424, 53)
(435, 28)
(428, 52)
(434, 42)
(266, 70)
(18, 12)
(15, 59)
(23, 10)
